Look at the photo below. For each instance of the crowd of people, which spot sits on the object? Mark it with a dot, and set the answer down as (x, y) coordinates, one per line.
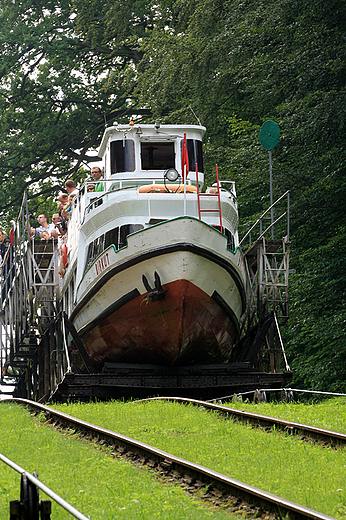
(57, 228)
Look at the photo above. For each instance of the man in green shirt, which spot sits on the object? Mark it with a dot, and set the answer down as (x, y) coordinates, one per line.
(97, 174)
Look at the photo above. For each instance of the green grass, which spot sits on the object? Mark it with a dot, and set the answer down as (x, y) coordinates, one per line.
(92, 481)
(329, 414)
(286, 466)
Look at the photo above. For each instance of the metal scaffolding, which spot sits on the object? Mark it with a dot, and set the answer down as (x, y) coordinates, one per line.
(30, 341)
(267, 266)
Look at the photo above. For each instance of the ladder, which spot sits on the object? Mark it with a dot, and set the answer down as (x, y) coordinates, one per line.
(215, 193)
(32, 355)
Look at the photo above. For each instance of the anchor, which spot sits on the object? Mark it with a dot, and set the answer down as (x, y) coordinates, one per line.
(158, 293)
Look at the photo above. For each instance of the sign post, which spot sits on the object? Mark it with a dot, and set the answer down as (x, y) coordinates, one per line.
(269, 138)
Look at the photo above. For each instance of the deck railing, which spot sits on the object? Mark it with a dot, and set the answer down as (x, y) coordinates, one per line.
(260, 222)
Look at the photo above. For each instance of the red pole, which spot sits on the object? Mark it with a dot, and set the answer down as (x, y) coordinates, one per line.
(198, 200)
(218, 196)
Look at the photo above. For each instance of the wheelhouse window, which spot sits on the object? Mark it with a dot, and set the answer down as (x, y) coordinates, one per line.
(157, 156)
(194, 150)
(122, 156)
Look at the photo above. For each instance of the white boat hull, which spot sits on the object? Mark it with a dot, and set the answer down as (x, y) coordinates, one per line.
(196, 319)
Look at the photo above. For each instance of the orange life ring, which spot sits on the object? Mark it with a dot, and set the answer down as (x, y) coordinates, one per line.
(161, 188)
(64, 254)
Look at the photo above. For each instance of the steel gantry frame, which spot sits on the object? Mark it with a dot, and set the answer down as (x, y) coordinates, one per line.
(267, 266)
(32, 356)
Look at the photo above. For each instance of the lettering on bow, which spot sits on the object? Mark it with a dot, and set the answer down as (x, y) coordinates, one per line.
(102, 263)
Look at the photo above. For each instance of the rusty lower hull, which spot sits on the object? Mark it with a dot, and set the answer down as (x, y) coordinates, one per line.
(188, 327)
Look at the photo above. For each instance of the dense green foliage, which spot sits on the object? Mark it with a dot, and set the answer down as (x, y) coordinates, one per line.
(59, 87)
(68, 67)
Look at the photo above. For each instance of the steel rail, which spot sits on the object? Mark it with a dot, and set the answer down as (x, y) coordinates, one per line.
(263, 214)
(320, 434)
(234, 487)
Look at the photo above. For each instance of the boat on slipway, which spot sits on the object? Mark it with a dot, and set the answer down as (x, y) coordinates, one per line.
(153, 269)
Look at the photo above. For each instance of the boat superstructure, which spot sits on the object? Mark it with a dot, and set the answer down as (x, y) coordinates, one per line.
(155, 273)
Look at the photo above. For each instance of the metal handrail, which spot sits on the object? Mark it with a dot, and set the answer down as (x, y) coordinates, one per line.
(272, 224)
(287, 367)
(70, 509)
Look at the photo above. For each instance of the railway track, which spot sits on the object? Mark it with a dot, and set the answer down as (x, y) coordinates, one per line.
(170, 464)
(303, 430)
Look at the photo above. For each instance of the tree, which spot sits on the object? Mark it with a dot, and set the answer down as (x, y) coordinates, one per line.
(64, 76)
(68, 67)
(237, 64)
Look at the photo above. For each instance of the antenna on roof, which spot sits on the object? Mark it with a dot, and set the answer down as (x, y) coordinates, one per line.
(200, 124)
(104, 115)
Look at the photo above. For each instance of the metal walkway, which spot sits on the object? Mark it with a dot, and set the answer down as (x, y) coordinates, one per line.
(30, 341)
(267, 266)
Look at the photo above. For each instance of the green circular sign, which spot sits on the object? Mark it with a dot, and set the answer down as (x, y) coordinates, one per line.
(269, 135)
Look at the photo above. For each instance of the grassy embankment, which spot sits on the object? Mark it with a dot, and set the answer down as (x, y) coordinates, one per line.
(305, 473)
(92, 481)
(330, 414)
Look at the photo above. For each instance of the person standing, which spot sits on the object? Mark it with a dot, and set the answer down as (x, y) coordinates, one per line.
(44, 226)
(6, 260)
(71, 188)
(97, 175)
(63, 199)
(63, 211)
(56, 220)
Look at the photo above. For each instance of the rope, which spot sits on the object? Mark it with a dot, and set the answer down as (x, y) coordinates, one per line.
(268, 390)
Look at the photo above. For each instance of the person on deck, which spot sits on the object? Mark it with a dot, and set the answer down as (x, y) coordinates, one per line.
(97, 175)
(45, 235)
(63, 211)
(56, 220)
(6, 260)
(63, 199)
(44, 226)
(71, 188)
(5, 244)
(73, 192)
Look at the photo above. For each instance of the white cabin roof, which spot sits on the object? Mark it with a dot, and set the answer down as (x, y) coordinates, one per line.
(143, 132)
